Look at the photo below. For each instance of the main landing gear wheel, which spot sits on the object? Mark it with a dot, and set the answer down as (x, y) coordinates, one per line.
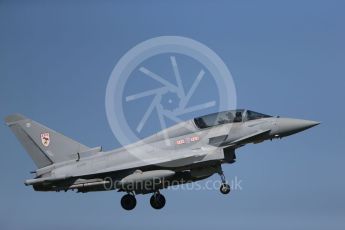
(157, 201)
(128, 202)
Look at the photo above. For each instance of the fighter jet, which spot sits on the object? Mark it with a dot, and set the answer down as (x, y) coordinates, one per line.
(189, 151)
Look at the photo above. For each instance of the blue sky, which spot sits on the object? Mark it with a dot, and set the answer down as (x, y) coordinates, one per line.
(287, 58)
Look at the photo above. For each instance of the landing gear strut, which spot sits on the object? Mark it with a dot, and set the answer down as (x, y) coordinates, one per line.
(224, 188)
(128, 202)
(157, 201)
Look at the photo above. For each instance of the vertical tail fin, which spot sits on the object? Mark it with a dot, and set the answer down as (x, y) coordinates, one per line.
(44, 145)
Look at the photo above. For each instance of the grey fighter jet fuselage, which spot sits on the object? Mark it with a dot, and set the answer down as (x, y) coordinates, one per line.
(186, 152)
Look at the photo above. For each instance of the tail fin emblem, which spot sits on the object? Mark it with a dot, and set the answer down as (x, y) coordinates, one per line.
(45, 139)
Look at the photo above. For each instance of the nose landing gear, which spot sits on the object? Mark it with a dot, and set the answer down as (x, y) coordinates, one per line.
(224, 188)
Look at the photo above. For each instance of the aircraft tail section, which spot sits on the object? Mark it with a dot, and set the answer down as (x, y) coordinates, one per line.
(44, 145)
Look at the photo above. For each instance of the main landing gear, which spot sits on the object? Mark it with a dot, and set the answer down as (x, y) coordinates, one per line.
(157, 200)
(224, 188)
(128, 201)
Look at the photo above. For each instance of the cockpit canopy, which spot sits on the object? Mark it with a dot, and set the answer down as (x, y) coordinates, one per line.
(226, 117)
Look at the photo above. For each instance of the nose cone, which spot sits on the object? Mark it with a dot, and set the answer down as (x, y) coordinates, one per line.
(288, 126)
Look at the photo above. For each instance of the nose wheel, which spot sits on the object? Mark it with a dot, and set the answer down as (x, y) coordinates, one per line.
(157, 201)
(128, 202)
(224, 188)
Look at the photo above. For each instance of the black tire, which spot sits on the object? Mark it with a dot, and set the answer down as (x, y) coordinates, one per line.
(128, 202)
(157, 201)
(225, 189)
